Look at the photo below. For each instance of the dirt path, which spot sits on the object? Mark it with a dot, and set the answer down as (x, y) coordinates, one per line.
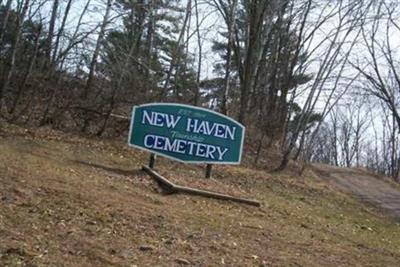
(365, 186)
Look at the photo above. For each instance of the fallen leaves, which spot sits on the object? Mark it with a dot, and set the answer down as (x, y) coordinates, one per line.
(182, 261)
(92, 216)
(146, 248)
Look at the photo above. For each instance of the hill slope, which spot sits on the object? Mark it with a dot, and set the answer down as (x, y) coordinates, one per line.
(72, 201)
(368, 188)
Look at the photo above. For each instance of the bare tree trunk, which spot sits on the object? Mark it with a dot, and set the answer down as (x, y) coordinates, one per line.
(96, 52)
(257, 11)
(259, 148)
(199, 46)
(230, 23)
(118, 85)
(27, 75)
(74, 40)
(61, 31)
(335, 140)
(108, 114)
(327, 66)
(20, 22)
(93, 63)
(393, 162)
(149, 47)
(174, 55)
(50, 35)
(5, 22)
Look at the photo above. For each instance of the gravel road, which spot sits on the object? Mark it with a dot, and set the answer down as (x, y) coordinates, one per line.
(376, 191)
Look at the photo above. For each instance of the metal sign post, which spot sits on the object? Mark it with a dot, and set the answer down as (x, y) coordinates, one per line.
(208, 171)
(152, 160)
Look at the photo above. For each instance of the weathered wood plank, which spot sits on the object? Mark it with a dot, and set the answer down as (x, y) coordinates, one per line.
(193, 191)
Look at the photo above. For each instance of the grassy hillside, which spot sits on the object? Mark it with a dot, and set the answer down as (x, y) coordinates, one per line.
(73, 201)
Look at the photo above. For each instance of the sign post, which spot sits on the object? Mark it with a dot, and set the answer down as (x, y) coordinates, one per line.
(152, 160)
(208, 171)
(187, 134)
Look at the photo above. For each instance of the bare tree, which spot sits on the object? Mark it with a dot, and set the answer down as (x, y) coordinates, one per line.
(350, 18)
(96, 52)
(381, 70)
(61, 31)
(5, 22)
(19, 25)
(50, 34)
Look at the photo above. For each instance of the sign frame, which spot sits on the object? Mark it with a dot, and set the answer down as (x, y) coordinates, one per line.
(191, 107)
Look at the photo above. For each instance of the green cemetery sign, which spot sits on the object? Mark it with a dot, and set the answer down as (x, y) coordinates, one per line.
(186, 133)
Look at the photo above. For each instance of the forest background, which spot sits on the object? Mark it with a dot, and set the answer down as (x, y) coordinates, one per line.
(313, 80)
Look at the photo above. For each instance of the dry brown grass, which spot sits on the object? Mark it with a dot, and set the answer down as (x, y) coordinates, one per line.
(72, 201)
